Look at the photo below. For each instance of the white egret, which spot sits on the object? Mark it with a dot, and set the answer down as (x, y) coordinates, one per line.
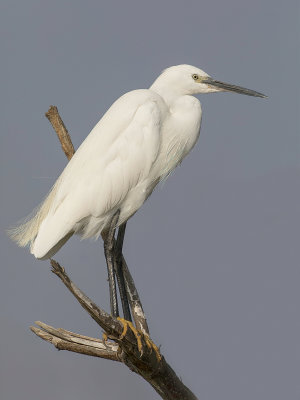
(143, 136)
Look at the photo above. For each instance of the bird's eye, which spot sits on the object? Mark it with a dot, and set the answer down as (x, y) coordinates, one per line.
(195, 77)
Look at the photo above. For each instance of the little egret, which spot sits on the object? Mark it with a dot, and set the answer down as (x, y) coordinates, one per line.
(143, 136)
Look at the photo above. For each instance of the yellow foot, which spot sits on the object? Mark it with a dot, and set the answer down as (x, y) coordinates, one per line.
(139, 335)
(104, 337)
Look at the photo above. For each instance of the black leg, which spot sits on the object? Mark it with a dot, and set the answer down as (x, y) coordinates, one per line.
(119, 272)
(109, 255)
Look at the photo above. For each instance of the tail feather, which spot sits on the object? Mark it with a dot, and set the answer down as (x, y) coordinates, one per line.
(25, 233)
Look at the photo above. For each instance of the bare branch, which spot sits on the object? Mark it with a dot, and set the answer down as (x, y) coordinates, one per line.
(76, 338)
(142, 361)
(61, 341)
(61, 131)
(110, 324)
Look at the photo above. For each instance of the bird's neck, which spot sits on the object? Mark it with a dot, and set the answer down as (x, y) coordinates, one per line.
(169, 94)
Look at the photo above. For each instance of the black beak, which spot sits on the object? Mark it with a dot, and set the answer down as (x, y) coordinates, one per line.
(227, 87)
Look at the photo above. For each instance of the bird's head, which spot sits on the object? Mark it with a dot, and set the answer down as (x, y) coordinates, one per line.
(186, 79)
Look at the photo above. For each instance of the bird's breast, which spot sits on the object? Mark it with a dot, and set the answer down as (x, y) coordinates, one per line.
(180, 133)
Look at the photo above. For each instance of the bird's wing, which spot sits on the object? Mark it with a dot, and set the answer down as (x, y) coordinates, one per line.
(103, 170)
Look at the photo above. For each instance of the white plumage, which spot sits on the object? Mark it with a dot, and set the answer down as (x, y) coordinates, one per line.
(142, 137)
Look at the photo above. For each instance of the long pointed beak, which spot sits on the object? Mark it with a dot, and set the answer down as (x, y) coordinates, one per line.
(227, 87)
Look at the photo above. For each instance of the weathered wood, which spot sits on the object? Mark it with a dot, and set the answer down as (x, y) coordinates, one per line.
(111, 326)
(143, 361)
(63, 135)
(89, 347)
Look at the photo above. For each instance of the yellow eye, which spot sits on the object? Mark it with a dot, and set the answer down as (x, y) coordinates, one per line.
(195, 77)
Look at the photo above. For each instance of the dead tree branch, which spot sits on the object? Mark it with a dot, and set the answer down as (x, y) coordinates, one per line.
(65, 340)
(63, 135)
(128, 345)
(143, 361)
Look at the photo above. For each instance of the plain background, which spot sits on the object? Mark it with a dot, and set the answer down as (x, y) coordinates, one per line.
(215, 251)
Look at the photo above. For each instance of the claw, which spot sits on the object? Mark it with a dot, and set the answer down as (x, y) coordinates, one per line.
(152, 346)
(104, 337)
(138, 335)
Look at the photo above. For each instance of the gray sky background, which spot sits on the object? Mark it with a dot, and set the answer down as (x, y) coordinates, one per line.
(215, 251)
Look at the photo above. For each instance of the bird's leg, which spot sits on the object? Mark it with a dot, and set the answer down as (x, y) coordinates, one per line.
(120, 273)
(141, 333)
(109, 240)
(117, 264)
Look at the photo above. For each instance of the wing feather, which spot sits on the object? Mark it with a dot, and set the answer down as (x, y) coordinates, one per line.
(102, 172)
